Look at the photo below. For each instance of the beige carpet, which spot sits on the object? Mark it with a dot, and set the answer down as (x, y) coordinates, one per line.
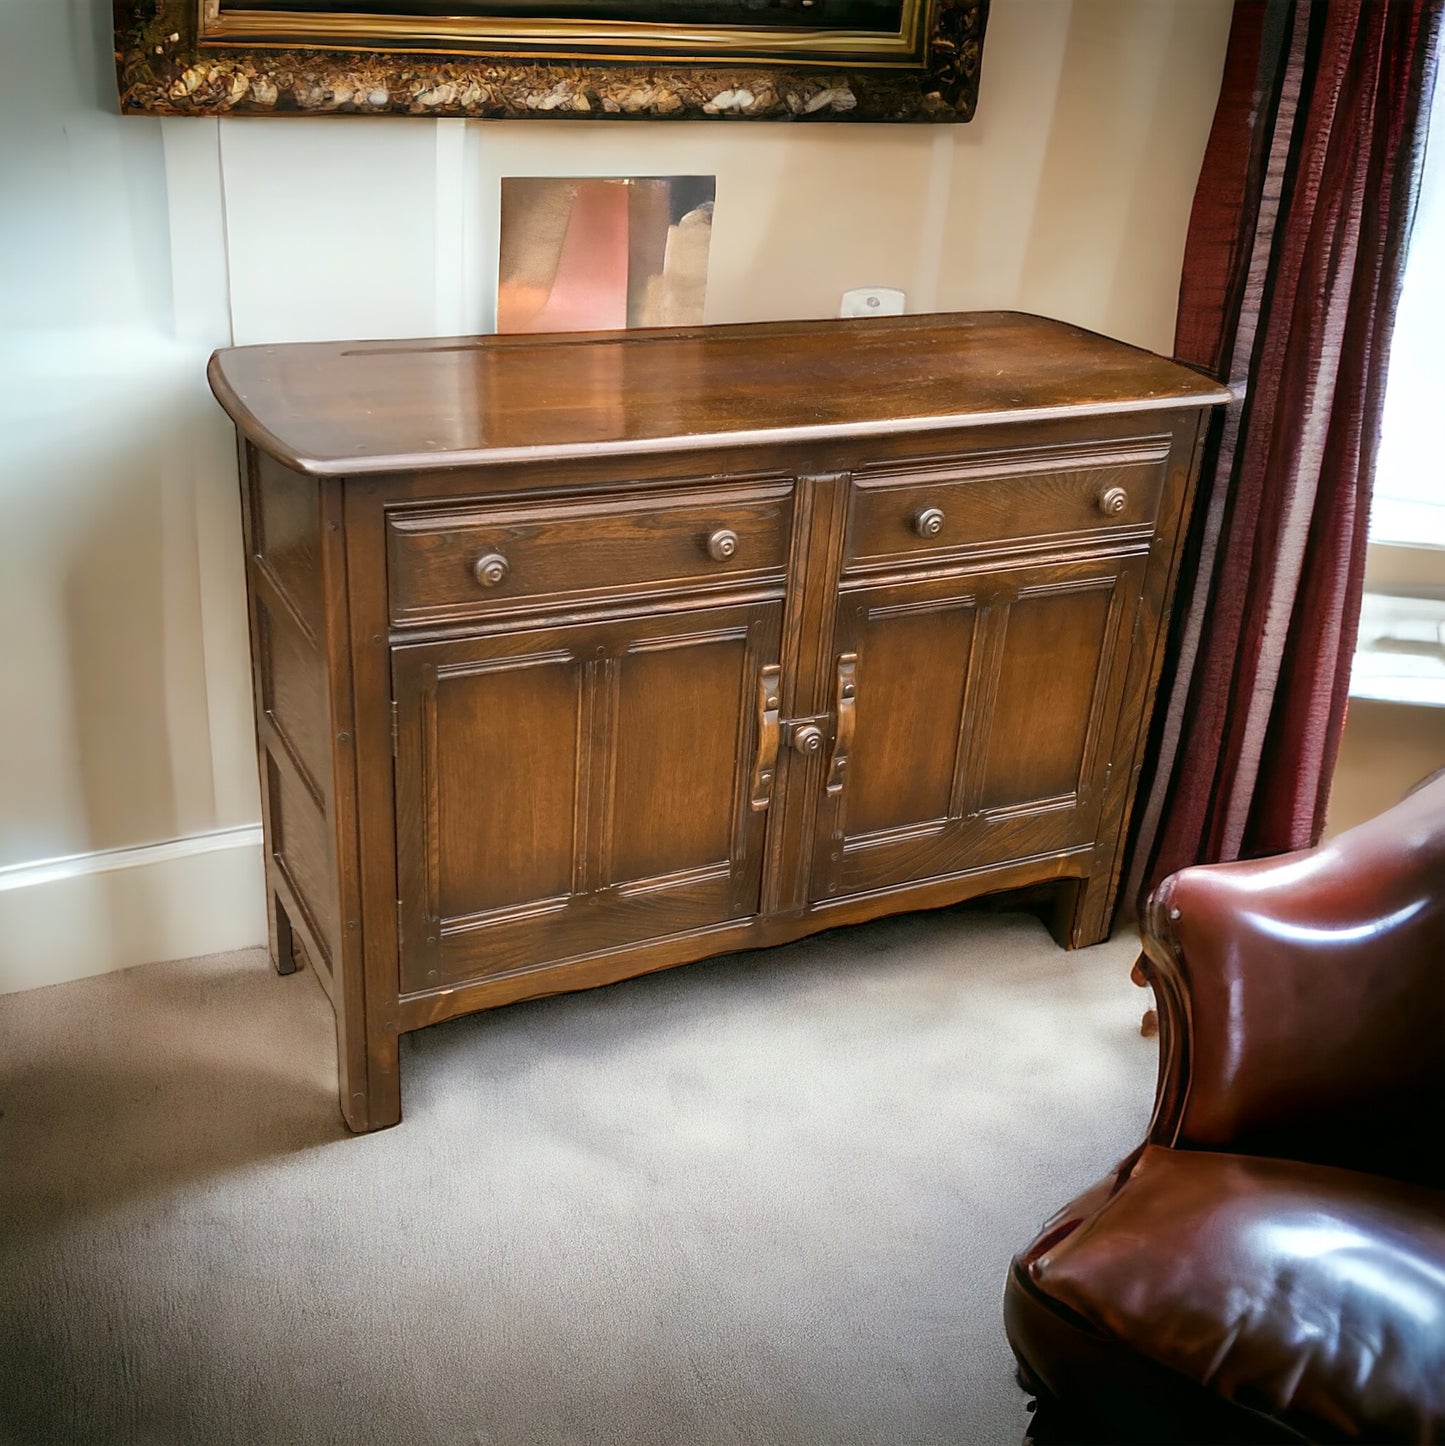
(766, 1199)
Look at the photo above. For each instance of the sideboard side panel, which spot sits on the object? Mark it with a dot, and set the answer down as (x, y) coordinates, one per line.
(305, 728)
(282, 524)
(1087, 910)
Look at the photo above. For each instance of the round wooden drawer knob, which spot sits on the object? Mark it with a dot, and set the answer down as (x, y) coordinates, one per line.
(808, 738)
(1113, 501)
(722, 544)
(929, 522)
(491, 569)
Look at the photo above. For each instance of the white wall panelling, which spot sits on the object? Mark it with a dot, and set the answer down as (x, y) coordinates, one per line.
(68, 918)
(330, 232)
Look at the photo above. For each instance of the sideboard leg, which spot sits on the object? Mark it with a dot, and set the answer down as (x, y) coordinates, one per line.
(280, 941)
(369, 1082)
(1082, 913)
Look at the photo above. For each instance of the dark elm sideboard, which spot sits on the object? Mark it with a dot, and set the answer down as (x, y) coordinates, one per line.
(578, 657)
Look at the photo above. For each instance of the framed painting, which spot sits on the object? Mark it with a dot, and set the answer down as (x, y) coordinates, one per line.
(807, 60)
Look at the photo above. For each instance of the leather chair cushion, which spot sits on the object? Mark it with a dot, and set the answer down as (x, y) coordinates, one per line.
(1311, 1295)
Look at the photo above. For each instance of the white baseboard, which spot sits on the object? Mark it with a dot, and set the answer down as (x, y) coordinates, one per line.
(69, 918)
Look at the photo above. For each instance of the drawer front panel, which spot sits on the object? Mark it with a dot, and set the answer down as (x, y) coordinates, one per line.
(453, 564)
(1002, 502)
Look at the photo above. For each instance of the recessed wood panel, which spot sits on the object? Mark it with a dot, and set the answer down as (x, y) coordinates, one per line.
(300, 841)
(501, 765)
(1048, 675)
(286, 537)
(679, 704)
(912, 668)
(293, 687)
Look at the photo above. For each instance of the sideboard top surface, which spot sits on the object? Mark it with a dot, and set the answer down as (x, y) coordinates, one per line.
(352, 408)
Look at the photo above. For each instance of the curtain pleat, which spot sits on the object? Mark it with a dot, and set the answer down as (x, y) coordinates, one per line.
(1291, 277)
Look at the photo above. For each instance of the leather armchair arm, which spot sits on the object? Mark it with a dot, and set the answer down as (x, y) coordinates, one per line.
(1302, 999)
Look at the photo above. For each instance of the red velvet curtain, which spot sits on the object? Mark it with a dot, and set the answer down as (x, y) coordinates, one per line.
(1292, 272)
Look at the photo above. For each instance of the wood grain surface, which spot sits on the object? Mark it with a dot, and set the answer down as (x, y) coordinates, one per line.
(349, 408)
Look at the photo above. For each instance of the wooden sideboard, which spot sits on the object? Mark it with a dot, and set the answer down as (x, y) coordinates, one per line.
(578, 657)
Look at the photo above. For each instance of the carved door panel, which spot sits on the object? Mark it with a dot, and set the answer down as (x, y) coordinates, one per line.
(564, 791)
(975, 717)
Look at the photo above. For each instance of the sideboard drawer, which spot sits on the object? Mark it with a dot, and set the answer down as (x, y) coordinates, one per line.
(453, 563)
(983, 504)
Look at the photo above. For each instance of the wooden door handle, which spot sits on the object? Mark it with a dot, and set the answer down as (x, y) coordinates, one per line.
(845, 696)
(770, 697)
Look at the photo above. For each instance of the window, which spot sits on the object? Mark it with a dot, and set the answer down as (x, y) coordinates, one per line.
(1400, 656)
(1410, 479)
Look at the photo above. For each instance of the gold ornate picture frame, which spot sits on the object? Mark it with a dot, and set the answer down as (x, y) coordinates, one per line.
(814, 60)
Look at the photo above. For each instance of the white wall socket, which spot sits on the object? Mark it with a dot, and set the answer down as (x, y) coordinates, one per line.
(872, 301)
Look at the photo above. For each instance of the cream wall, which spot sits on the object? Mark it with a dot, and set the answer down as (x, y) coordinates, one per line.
(1387, 748)
(130, 248)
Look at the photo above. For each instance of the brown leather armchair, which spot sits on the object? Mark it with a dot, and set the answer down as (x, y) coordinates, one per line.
(1270, 1264)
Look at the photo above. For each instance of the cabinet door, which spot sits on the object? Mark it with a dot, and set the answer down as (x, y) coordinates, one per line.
(564, 791)
(976, 716)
